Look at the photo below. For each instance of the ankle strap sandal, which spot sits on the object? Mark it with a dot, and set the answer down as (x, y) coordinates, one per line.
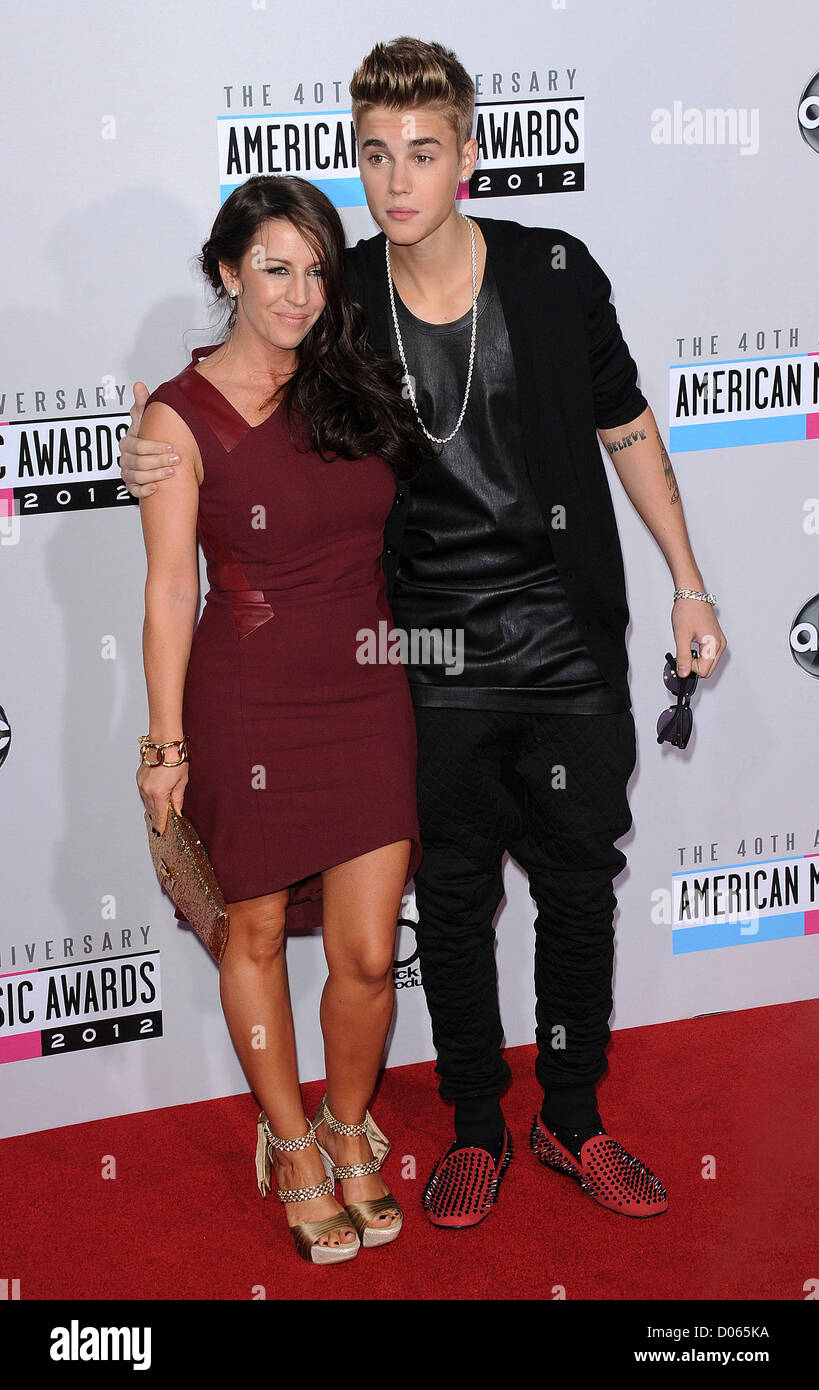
(362, 1213)
(305, 1233)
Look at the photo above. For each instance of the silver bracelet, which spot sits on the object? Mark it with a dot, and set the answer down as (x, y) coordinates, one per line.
(695, 593)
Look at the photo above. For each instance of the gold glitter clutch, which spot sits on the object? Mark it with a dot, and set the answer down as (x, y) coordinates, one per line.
(185, 872)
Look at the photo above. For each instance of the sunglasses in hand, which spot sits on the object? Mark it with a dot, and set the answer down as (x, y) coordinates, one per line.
(675, 723)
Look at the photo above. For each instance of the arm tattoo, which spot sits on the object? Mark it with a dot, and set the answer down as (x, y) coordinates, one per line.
(669, 472)
(633, 438)
(626, 442)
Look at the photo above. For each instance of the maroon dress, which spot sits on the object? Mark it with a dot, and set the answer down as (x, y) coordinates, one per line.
(301, 755)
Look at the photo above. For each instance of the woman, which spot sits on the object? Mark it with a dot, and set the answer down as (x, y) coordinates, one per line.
(301, 772)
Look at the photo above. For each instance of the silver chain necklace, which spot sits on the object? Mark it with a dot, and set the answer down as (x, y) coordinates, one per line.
(407, 377)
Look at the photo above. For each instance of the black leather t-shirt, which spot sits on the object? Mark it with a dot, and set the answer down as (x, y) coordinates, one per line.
(476, 556)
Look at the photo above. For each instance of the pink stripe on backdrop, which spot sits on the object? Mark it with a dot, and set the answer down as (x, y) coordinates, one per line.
(6, 501)
(812, 918)
(26, 1045)
(812, 426)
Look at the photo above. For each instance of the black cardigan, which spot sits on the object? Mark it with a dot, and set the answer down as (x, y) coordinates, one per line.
(574, 376)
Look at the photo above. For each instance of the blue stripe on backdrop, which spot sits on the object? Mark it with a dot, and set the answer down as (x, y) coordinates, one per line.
(728, 433)
(343, 193)
(714, 934)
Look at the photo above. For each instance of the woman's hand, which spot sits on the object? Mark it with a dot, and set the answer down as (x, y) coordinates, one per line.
(159, 786)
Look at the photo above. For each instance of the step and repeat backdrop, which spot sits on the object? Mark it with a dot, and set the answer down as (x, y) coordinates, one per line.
(681, 143)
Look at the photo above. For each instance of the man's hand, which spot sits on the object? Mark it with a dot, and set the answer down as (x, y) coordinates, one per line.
(694, 621)
(143, 462)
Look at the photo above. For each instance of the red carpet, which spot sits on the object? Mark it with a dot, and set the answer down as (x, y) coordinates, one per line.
(184, 1220)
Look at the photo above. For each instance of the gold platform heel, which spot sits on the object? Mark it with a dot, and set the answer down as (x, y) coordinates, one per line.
(305, 1233)
(361, 1213)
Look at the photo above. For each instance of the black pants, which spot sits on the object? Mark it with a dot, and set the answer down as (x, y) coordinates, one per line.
(550, 789)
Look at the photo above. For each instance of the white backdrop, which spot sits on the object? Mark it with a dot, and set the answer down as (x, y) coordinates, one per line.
(693, 183)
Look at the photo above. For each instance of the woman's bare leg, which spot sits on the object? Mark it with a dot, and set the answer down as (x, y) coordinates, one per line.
(256, 1003)
(362, 900)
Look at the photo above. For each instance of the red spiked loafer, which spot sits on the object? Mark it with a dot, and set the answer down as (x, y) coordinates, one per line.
(463, 1186)
(611, 1175)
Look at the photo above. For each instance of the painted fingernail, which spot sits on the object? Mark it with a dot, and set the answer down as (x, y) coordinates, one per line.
(168, 473)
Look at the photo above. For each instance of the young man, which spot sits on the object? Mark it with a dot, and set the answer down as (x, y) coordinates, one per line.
(516, 364)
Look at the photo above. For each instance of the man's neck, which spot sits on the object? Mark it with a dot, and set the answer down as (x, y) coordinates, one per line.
(434, 276)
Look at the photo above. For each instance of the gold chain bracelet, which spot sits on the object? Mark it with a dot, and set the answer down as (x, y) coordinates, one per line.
(180, 744)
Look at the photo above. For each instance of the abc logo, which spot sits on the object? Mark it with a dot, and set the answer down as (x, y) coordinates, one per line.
(804, 638)
(5, 736)
(809, 114)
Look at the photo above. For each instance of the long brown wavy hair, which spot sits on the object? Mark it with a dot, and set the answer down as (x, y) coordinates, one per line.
(350, 398)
